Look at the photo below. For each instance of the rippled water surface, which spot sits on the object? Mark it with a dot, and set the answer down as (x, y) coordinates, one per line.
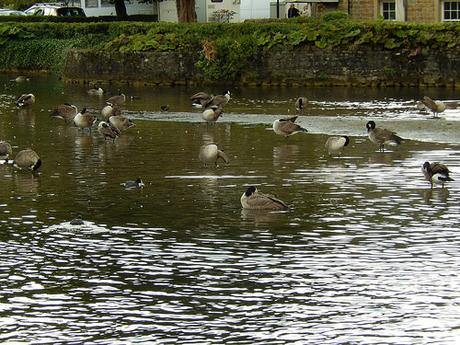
(368, 253)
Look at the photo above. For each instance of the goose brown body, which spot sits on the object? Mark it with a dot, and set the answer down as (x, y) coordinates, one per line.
(210, 154)
(436, 173)
(435, 106)
(5, 150)
(25, 100)
(65, 111)
(287, 126)
(335, 145)
(84, 120)
(27, 159)
(107, 131)
(382, 136)
(120, 122)
(252, 199)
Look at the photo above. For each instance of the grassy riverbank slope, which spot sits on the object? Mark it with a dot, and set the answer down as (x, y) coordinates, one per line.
(240, 52)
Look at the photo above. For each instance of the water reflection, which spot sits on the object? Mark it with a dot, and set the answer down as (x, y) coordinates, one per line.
(368, 253)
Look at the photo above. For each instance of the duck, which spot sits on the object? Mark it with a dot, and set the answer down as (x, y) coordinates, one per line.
(382, 136)
(110, 110)
(300, 104)
(138, 183)
(335, 145)
(65, 111)
(435, 106)
(212, 114)
(287, 126)
(210, 153)
(5, 150)
(119, 99)
(120, 122)
(436, 173)
(83, 120)
(201, 98)
(27, 159)
(95, 91)
(252, 199)
(78, 220)
(107, 131)
(25, 100)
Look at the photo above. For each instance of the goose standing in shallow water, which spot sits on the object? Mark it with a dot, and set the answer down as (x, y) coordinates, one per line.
(27, 159)
(436, 173)
(65, 111)
(381, 136)
(287, 126)
(301, 104)
(210, 154)
(83, 120)
(25, 100)
(5, 150)
(107, 131)
(335, 145)
(119, 99)
(120, 122)
(252, 199)
(435, 106)
(110, 110)
(212, 114)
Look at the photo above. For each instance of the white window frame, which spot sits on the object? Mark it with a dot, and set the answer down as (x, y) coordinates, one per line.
(399, 9)
(443, 11)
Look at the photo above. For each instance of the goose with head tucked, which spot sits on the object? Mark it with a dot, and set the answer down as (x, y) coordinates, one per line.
(107, 131)
(382, 136)
(27, 159)
(25, 100)
(120, 122)
(287, 126)
(436, 107)
(335, 145)
(95, 91)
(436, 173)
(252, 199)
(119, 99)
(5, 150)
(210, 154)
(65, 111)
(84, 120)
(301, 104)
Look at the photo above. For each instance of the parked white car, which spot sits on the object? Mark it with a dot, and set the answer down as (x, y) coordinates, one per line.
(55, 9)
(8, 12)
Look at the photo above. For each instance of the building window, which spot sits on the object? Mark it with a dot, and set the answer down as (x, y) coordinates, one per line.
(91, 3)
(389, 10)
(451, 10)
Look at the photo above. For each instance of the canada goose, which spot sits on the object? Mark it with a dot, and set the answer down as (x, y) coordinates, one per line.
(436, 173)
(210, 153)
(83, 120)
(133, 184)
(95, 91)
(287, 126)
(164, 107)
(25, 100)
(219, 100)
(382, 136)
(300, 104)
(119, 99)
(335, 145)
(65, 111)
(20, 79)
(435, 106)
(110, 110)
(5, 150)
(77, 221)
(252, 199)
(200, 99)
(120, 122)
(108, 131)
(27, 159)
(212, 114)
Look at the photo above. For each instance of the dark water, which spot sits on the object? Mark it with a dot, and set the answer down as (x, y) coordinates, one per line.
(368, 254)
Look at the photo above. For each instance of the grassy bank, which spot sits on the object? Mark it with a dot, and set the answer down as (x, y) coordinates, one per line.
(222, 49)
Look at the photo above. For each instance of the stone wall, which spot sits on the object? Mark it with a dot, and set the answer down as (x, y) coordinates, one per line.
(306, 65)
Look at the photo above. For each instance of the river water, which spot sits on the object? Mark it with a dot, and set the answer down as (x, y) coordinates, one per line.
(367, 254)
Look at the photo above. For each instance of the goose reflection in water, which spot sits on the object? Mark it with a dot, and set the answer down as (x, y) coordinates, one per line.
(26, 117)
(25, 184)
(435, 196)
(284, 154)
(262, 217)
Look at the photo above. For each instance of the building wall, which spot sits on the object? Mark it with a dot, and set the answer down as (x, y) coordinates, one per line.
(423, 11)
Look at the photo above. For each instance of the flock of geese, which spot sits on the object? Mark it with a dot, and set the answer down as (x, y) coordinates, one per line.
(111, 123)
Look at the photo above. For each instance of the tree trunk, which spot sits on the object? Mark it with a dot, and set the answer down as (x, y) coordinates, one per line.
(120, 8)
(186, 11)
